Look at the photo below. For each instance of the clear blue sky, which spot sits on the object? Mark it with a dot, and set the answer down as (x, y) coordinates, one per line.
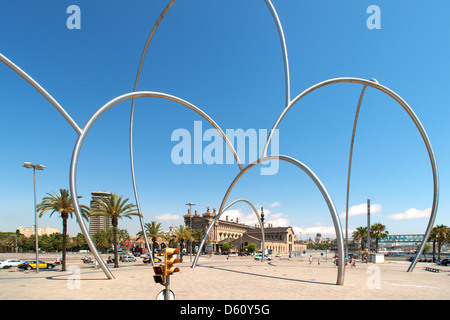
(225, 58)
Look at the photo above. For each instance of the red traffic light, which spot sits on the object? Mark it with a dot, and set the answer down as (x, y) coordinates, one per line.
(159, 276)
(158, 269)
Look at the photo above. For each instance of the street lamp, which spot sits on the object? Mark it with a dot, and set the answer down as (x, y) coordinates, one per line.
(262, 221)
(190, 222)
(35, 167)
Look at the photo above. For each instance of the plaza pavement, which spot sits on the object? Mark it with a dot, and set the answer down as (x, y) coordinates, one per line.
(238, 278)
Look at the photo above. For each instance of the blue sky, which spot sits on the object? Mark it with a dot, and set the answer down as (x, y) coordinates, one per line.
(225, 58)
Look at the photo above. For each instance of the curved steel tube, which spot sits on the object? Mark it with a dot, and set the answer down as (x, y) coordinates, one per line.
(42, 91)
(144, 53)
(283, 48)
(82, 136)
(225, 209)
(329, 201)
(350, 167)
(136, 83)
(416, 121)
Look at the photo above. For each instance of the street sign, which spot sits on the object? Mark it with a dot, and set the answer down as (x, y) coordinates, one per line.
(162, 295)
(127, 244)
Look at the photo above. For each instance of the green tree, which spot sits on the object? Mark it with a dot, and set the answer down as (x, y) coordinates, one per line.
(62, 204)
(360, 234)
(103, 239)
(378, 231)
(251, 247)
(227, 246)
(182, 234)
(441, 233)
(153, 230)
(197, 235)
(79, 242)
(115, 208)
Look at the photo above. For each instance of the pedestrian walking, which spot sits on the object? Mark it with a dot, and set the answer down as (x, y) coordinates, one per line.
(310, 259)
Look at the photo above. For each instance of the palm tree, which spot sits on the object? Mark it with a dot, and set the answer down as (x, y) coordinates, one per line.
(378, 231)
(115, 208)
(182, 234)
(360, 234)
(197, 235)
(62, 204)
(153, 230)
(441, 234)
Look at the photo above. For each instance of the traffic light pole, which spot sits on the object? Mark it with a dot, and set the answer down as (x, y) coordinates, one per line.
(167, 288)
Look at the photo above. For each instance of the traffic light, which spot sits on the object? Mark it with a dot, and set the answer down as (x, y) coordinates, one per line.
(159, 275)
(169, 260)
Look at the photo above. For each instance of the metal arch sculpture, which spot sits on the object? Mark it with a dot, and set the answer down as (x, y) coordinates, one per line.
(136, 84)
(42, 91)
(323, 191)
(84, 132)
(419, 126)
(289, 104)
(225, 209)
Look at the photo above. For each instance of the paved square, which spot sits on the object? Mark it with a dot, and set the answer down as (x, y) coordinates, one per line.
(239, 278)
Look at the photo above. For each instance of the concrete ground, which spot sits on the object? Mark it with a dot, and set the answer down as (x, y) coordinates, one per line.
(238, 278)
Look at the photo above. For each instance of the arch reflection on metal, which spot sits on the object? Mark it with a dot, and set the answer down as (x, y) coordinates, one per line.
(225, 209)
(85, 131)
(321, 187)
(396, 97)
(136, 84)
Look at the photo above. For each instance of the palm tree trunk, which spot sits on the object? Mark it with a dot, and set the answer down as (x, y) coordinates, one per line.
(64, 243)
(181, 251)
(115, 223)
(439, 249)
(434, 250)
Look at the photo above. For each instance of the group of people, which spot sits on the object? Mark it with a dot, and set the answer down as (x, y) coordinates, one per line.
(349, 260)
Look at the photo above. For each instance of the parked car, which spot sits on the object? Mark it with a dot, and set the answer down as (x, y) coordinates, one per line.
(443, 262)
(155, 259)
(127, 259)
(266, 257)
(28, 265)
(10, 263)
(278, 255)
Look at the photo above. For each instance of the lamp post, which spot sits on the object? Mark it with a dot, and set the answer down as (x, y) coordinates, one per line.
(35, 167)
(264, 247)
(190, 222)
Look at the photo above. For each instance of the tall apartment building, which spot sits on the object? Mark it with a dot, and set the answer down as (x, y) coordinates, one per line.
(97, 223)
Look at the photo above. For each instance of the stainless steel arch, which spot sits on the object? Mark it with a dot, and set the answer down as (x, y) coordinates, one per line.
(350, 167)
(42, 91)
(136, 84)
(225, 209)
(321, 187)
(85, 131)
(416, 121)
